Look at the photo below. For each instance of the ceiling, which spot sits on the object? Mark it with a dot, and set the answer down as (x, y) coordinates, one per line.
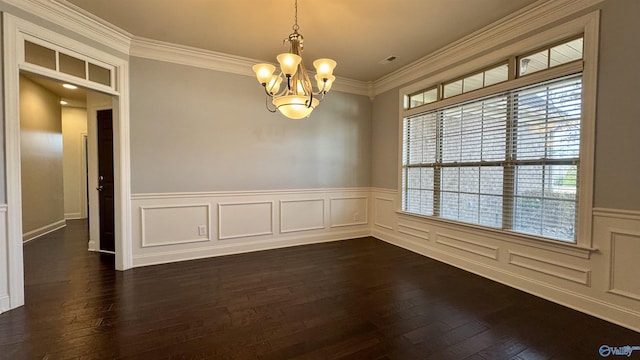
(74, 98)
(358, 34)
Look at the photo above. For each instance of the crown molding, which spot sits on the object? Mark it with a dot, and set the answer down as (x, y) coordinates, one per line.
(60, 12)
(191, 56)
(529, 19)
(357, 87)
(212, 60)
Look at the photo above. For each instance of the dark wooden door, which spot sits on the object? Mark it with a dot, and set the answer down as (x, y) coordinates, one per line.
(105, 180)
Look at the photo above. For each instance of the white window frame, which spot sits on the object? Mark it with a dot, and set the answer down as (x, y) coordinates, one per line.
(588, 25)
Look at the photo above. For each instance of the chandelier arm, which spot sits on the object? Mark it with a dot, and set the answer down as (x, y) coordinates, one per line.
(281, 93)
(305, 78)
(266, 104)
(310, 99)
(322, 92)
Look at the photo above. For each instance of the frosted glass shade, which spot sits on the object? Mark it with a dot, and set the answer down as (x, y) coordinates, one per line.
(289, 63)
(327, 86)
(324, 67)
(263, 72)
(274, 84)
(294, 106)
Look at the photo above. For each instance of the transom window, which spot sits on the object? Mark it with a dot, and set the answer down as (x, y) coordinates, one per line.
(508, 160)
(54, 59)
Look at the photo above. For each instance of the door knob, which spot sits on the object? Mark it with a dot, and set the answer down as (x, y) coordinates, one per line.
(99, 188)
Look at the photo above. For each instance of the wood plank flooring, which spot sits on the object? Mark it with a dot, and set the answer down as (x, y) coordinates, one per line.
(356, 299)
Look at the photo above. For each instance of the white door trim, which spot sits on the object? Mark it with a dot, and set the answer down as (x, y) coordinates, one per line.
(94, 201)
(14, 30)
(84, 158)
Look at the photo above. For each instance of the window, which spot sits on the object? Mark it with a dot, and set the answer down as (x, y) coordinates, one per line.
(471, 82)
(423, 97)
(507, 160)
(477, 81)
(52, 58)
(552, 56)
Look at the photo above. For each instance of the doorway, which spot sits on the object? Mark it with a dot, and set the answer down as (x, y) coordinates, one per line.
(16, 33)
(55, 158)
(105, 186)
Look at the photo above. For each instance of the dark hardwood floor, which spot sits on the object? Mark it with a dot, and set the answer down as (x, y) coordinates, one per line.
(357, 299)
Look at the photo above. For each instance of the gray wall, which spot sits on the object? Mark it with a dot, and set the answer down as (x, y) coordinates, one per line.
(617, 176)
(74, 127)
(41, 156)
(617, 165)
(194, 130)
(384, 140)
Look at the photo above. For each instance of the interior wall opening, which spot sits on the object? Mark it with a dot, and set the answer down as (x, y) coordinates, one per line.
(59, 158)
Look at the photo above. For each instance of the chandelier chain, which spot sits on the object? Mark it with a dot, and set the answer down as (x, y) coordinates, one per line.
(295, 17)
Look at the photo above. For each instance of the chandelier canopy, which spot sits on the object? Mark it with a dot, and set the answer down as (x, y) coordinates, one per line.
(297, 99)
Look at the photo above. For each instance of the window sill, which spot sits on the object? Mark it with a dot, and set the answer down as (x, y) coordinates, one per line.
(505, 235)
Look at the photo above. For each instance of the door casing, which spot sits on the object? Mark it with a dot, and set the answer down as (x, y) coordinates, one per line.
(14, 31)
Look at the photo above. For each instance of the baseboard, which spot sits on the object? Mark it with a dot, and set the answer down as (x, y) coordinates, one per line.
(5, 303)
(93, 245)
(229, 247)
(73, 216)
(588, 305)
(34, 234)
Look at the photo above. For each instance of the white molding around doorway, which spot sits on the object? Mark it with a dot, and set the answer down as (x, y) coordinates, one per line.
(15, 30)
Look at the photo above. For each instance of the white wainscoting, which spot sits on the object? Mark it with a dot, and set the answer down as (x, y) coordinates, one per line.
(245, 219)
(5, 303)
(624, 263)
(619, 233)
(602, 281)
(166, 227)
(349, 211)
(175, 224)
(469, 246)
(301, 215)
(383, 208)
(552, 268)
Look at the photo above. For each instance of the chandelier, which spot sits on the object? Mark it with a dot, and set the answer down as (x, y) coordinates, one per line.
(297, 99)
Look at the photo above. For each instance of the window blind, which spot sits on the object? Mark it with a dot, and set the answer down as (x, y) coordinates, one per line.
(509, 160)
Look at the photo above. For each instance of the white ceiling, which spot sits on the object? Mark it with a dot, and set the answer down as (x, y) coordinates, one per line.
(358, 34)
(74, 98)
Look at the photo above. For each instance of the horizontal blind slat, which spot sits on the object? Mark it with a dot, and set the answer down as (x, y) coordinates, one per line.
(465, 147)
